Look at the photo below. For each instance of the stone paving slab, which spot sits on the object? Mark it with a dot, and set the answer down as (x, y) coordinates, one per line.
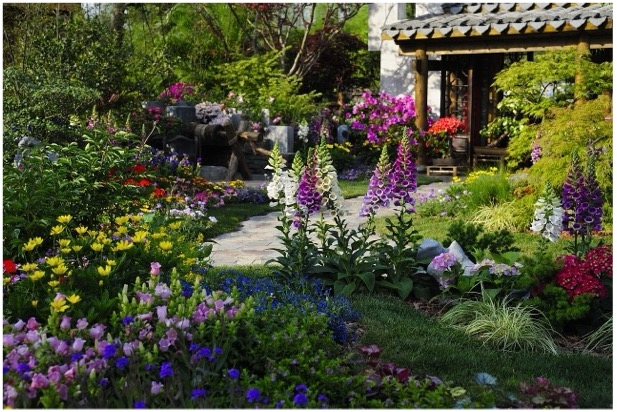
(257, 236)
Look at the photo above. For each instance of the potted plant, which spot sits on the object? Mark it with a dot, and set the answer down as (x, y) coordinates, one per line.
(439, 139)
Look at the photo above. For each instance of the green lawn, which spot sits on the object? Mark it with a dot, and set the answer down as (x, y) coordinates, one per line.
(413, 340)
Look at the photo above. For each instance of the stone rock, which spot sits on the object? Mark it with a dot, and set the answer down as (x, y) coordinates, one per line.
(213, 173)
(456, 250)
(429, 248)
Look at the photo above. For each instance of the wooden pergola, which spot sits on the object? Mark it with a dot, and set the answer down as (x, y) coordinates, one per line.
(474, 40)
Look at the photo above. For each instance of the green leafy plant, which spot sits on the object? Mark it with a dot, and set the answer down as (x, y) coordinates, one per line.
(346, 260)
(500, 325)
(472, 237)
(258, 83)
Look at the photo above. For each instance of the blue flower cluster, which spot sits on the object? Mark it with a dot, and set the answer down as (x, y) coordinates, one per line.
(302, 293)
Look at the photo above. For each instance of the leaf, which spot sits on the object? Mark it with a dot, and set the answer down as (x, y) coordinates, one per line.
(369, 280)
(405, 287)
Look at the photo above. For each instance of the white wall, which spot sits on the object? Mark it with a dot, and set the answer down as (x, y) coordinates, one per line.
(396, 76)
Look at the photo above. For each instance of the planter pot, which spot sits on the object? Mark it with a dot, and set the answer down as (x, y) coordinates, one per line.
(284, 135)
(460, 143)
(448, 161)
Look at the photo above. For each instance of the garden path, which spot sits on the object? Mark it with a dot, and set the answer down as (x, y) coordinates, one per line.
(257, 236)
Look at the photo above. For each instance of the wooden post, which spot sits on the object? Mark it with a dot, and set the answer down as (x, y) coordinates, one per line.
(421, 97)
(582, 53)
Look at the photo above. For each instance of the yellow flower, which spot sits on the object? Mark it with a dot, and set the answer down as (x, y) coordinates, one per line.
(97, 247)
(101, 283)
(37, 275)
(104, 271)
(28, 267)
(121, 230)
(76, 248)
(60, 269)
(93, 233)
(55, 261)
(64, 242)
(166, 245)
(122, 245)
(32, 243)
(121, 220)
(65, 250)
(64, 219)
(104, 240)
(56, 230)
(59, 305)
(175, 225)
(139, 236)
(136, 218)
(53, 283)
(158, 235)
(111, 262)
(35, 303)
(6, 280)
(73, 298)
(81, 230)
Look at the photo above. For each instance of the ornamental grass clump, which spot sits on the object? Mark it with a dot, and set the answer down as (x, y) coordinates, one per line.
(496, 323)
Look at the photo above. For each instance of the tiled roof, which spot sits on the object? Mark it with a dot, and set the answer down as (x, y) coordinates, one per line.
(460, 20)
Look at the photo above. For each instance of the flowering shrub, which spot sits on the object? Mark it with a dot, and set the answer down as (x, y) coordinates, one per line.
(496, 277)
(179, 91)
(383, 117)
(438, 138)
(579, 276)
(448, 125)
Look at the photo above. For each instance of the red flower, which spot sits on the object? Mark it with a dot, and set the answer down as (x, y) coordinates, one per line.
(138, 169)
(144, 183)
(450, 125)
(582, 276)
(130, 181)
(158, 192)
(9, 266)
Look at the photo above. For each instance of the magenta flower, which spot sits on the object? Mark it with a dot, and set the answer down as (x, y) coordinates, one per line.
(309, 198)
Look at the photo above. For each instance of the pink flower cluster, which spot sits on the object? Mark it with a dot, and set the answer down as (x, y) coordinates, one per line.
(377, 114)
(578, 276)
(177, 91)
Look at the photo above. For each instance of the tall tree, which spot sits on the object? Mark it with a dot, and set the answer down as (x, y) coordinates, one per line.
(278, 26)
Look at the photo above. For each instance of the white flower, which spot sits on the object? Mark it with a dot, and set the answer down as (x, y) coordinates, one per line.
(548, 216)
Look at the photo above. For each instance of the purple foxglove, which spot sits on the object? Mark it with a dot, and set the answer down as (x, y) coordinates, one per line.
(403, 175)
(379, 191)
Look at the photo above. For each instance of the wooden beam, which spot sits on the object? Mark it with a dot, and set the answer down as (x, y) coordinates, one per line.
(582, 52)
(503, 44)
(421, 97)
